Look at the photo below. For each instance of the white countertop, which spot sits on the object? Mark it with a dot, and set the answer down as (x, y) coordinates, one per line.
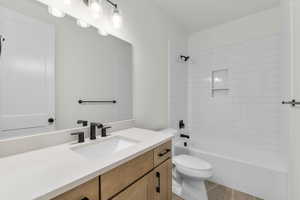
(47, 173)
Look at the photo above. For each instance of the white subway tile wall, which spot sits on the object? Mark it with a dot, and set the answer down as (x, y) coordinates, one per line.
(249, 114)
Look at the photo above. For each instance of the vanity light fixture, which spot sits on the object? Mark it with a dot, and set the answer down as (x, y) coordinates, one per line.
(82, 23)
(96, 8)
(56, 12)
(116, 15)
(95, 5)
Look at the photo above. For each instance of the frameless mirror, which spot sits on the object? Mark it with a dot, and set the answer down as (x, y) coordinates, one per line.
(54, 73)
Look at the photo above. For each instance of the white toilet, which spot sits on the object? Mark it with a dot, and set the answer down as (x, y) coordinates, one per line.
(189, 174)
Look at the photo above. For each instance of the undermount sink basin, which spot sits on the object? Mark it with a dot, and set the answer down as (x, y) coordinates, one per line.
(105, 148)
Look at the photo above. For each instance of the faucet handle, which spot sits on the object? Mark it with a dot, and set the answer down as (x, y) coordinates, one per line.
(83, 122)
(80, 136)
(104, 131)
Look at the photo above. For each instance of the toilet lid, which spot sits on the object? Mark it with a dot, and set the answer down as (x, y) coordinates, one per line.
(191, 162)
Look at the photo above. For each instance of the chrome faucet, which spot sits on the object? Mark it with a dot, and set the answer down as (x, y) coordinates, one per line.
(94, 126)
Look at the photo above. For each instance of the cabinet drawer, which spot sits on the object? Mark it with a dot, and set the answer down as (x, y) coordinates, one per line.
(162, 153)
(121, 177)
(89, 190)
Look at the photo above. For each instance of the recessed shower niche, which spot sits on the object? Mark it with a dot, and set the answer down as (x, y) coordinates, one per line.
(219, 82)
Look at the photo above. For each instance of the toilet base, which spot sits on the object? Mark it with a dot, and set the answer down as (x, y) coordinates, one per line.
(190, 189)
(176, 188)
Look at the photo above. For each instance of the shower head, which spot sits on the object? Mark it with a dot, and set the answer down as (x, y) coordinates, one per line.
(184, 58)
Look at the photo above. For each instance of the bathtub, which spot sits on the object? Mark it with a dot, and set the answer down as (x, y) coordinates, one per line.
(264, 176)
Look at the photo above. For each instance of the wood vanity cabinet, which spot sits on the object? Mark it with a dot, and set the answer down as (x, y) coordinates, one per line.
(147, 177)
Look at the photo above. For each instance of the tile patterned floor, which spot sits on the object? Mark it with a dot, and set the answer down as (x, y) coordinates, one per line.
(220, 192)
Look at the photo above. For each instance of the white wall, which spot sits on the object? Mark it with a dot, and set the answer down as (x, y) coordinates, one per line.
(178, 79)
(248, 118)
(250, 27)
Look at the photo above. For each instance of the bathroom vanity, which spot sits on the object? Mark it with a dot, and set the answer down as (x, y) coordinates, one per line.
(129, 164)
(146, 177)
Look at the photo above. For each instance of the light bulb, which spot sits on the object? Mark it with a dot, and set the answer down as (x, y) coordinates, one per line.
(102, 32)
(117, 19)
(55, 12)
(67, 2)
(95, 5)
(82, 23)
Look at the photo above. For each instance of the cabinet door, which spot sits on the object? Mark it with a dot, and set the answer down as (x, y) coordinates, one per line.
(116, 180)
(163, 181)
(141, 190)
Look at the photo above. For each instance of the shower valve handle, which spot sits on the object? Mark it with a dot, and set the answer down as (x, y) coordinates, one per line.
(185, 136)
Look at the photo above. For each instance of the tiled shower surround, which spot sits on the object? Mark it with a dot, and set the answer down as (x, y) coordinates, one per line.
(241, 126)
(220, 192)
(248, 114)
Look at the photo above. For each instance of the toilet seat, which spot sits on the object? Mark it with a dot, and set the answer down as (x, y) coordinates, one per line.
(192, 166)
(192, 162)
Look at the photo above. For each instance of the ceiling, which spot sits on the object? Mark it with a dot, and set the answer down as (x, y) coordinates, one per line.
(196, 15)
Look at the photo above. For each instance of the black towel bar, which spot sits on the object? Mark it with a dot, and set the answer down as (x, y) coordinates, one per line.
(82, 101)
(293, 102)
